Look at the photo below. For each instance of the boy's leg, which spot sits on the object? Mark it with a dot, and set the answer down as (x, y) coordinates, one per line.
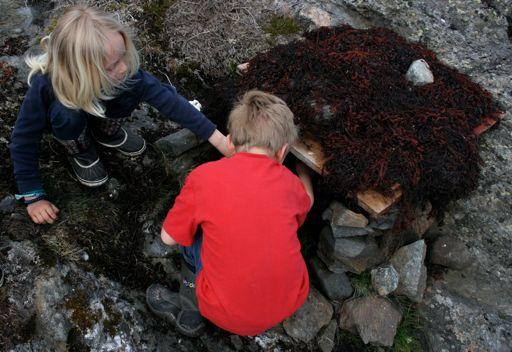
(189, 320)
(181, 309)
(71, 131)
(110, 133)
(192, 254)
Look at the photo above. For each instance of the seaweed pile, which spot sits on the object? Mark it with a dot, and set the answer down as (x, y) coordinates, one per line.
(347, 87)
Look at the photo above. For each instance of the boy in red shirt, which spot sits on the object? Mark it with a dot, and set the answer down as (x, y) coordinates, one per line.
(236, 220)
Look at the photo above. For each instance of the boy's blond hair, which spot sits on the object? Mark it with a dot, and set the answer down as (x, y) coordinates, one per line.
(261, 119)
(75, 55)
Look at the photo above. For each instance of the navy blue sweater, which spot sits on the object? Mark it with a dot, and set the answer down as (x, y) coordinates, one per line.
(41, 109)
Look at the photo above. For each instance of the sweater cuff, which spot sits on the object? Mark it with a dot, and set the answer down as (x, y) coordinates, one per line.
(31, 197)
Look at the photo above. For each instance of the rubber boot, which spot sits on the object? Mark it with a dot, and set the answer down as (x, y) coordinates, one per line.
(189, 321)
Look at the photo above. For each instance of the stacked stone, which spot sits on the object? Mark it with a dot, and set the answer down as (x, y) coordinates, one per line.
(354, 243)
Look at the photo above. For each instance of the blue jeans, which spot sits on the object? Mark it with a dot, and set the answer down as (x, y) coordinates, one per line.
(192, 254)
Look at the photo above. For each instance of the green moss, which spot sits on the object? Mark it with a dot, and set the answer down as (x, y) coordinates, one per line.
(282, 25)
(51, 25)
(362, 284)
(155, 11)
(406, 338)
(116, 6)
(81, 314)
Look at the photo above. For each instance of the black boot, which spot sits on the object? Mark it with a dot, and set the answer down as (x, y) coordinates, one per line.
(163, 302)
(88, 168)
(84, 160)
(110, 134)
(189, 321)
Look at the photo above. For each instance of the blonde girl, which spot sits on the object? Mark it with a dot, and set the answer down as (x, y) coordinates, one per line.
(82, 87)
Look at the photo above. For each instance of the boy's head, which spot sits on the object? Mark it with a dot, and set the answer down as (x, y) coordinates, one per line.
(262, 120)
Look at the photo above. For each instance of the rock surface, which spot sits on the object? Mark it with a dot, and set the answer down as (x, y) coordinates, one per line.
(450, 252)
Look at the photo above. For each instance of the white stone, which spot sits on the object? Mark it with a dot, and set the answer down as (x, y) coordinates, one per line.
(419, 73)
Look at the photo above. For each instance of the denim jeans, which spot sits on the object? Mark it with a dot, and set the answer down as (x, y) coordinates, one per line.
(192, 254)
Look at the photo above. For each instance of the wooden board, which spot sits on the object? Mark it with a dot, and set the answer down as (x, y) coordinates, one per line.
(376, 203)
(488, 123)
(310, 153)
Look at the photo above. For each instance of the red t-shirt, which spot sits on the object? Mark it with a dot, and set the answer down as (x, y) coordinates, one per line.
(249, 207)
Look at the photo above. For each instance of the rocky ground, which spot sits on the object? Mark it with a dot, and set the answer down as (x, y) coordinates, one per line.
(79, 284)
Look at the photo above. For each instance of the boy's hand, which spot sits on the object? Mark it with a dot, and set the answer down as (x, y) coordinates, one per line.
(304, 174)
(302, 169)
(42, 212)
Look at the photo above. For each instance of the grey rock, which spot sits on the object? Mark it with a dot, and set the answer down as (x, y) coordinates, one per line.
(7, 204)
(409, 263)
(307, 321)
(419, 73)
(384, 279)
(327, 113)
(346, 231)
(335, 286)
(450, 252)
(375, 319)
(385, 221)
(326, 340)
(327, 257)
(357, 254)
(342, 216)
(177, 143)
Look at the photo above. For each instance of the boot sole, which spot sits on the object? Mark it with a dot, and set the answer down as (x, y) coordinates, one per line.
(92, 183)
(138, 152)
(117, 146)
(169, 317)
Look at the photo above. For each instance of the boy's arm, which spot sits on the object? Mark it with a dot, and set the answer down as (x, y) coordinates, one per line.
(180, 224)
(304, 174)
(166, 238)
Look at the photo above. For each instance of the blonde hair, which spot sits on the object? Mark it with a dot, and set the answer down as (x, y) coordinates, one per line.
(74, 58)
(261, 119)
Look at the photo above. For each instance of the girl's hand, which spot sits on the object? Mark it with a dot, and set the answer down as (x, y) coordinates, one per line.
(42, 212)
(219, 141)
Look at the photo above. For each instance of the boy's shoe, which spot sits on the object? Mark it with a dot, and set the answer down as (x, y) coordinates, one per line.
(189, 322)
(163, 302)
(88, 168)
(166, 305)
(124, 141)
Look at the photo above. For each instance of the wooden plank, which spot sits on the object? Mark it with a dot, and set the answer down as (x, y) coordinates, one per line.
(376, 203)
(310, 153)
(488, 123)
